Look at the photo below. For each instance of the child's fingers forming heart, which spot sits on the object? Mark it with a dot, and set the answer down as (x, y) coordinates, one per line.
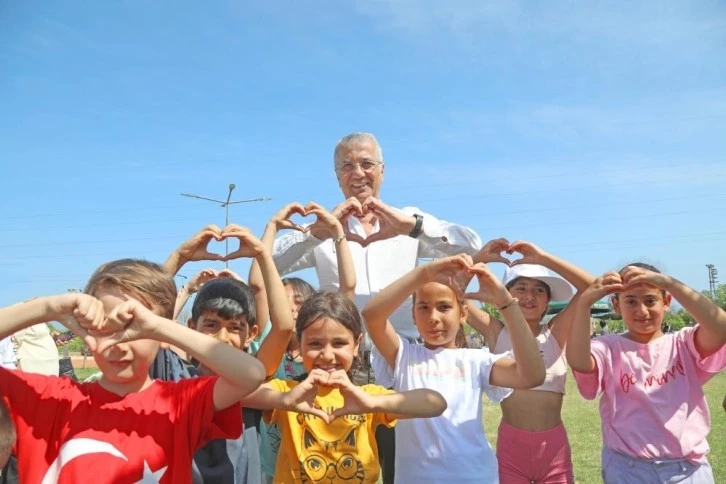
(89, 313)
(324, 220)
(198, 280)
(608, 283)
(82, 314)
(492, 252)
(196, 248)
(355, 399)
(448, 267)
(91, 319)
(249, 244)
(531, 254)
(302, 397)
(282, 218)
(489, 286)
(130, 320)
(229, 273)
(633, 275)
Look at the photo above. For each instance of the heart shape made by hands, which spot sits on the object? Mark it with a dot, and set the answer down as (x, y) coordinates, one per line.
(519, 249)
(501, 250)
(388, 218)
(300, 221)
(305, 395)
(508, 258)
(217, 245)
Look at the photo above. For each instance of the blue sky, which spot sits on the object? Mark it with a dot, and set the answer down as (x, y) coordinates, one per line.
(594, 129)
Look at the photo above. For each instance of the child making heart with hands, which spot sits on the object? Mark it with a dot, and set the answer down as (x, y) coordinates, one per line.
(298, 291)
(531, 422)
(327, 424)
(654, 414)
(226, 308)
(125, 427)
(452, 447)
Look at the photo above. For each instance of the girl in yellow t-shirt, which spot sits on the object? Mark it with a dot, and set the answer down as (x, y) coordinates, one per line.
(327, 424)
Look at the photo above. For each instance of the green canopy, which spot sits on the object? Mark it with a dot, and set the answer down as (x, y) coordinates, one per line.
(600, 308)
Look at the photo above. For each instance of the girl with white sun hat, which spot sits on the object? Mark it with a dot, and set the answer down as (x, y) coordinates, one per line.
(532, 444)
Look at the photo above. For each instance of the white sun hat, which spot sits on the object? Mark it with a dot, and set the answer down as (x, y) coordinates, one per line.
(559, 288)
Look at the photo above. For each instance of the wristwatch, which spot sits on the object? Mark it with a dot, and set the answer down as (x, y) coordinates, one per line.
(417, 228)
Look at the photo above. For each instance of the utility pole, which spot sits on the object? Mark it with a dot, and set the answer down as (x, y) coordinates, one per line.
(225, 204)
(712, 279)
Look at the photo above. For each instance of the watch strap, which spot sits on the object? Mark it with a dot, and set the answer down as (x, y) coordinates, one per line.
(417, 228)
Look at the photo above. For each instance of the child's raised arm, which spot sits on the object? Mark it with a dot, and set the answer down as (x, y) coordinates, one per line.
(239, 373)
(194, 284)
(273, 347)
(194, 249)
(711, 333)
(300, 399)
(279, 221)
(327, 222)
(578, 345)
(531, 254)
(417, 403)
(561, 324)
(79, 312)
(480, 320)
(483, 323)
(382, 305)
(527, 369)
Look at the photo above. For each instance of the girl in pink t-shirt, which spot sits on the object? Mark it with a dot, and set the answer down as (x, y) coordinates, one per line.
(654, 414)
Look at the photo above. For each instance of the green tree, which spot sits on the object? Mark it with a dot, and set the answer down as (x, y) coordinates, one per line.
(77, 345)
(686, 317)
(615, 326)
(674, 320)
(492, 310)
(720, 296)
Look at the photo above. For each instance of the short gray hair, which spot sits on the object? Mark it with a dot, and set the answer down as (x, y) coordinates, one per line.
(355, 138)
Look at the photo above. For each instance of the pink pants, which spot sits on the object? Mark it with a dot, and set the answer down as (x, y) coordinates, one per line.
(534, 457)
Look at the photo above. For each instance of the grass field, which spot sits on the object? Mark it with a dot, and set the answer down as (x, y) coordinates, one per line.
(83, 373)
(582, 420)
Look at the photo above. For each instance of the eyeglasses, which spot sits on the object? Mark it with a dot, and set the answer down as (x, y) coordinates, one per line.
(366, 165)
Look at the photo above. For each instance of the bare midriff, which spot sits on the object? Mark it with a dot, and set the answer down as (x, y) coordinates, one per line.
(533, 410)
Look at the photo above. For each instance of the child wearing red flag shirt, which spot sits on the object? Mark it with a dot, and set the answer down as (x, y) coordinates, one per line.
(124, 427)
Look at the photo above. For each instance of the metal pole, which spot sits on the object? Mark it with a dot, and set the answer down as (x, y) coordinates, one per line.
(226, 223)
(225, 204)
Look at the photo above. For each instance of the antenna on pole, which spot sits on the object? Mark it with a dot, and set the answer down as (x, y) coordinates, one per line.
(712, 279)
(225, 204)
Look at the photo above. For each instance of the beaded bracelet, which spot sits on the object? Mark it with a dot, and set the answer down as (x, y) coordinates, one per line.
(514, 300)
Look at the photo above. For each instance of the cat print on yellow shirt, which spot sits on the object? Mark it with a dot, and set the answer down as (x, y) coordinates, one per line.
(318, 466)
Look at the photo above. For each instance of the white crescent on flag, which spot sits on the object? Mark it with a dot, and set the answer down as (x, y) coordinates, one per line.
(76, 448)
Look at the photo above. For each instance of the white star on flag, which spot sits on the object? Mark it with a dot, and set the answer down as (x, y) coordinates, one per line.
(151, 477)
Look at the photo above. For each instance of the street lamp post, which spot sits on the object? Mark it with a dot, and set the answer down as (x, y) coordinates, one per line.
(225, 204)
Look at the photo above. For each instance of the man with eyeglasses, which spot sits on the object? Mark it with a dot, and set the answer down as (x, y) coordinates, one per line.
(389, 244)
(390, 241)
